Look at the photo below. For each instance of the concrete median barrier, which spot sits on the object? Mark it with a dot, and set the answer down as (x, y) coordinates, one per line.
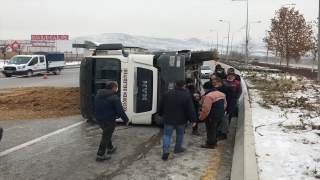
(244, 163)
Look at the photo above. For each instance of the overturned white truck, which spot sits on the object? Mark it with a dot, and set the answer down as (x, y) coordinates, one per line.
(142, 78)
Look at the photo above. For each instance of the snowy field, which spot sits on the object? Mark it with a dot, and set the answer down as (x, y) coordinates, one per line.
(286, 122)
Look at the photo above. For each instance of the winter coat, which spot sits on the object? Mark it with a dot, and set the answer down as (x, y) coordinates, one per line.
(214, 105)
(228, 91)
(107, 106)
(193, 90)
(236, 87)
(176, 107)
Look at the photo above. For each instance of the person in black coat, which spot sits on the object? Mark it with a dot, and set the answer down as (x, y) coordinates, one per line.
(237, 76)
(1, 132)
(107, 106)
(220, 71)
(175, 109)
(227, 90)
(195, 95)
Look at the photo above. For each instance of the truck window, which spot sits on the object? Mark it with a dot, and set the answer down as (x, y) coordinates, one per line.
(41, 59)
(34, 61)
(143, 90)
(106, 69)
(19, 60)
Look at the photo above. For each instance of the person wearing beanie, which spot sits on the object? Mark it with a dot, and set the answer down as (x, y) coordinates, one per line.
(195, 95)
(220, 71)
(213, 110)
(237, 90)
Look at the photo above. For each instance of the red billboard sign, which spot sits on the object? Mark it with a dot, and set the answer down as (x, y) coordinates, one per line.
(49, 37)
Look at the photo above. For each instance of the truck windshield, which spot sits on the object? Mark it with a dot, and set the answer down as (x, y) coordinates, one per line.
(107, 69)
(19, 60)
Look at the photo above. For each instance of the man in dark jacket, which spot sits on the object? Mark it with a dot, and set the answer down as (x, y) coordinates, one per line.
(237, 90)
(107, 106)
(194, 93)
(225, 89)
(237, 77)
(220, 71)
(213, 110)
(175, 108)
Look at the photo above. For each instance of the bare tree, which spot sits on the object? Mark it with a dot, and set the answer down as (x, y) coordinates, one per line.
(290, 36)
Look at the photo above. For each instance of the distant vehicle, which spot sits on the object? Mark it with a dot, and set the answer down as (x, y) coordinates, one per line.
(206, 71)
(39, 62)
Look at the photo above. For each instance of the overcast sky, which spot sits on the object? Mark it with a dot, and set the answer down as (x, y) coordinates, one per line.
(156, 18)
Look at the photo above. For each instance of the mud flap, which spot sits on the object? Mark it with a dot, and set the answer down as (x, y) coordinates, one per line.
(86, 97)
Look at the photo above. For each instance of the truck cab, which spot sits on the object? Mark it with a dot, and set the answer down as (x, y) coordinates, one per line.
(37, 63)
(142, 78)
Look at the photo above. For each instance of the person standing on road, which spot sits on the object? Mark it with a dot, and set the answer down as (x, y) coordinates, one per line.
(220, 71)
(213, 110)
(107, 106)
(175, 108)
(237, 90)
(195, 94)
(223, 127)
(237, 77)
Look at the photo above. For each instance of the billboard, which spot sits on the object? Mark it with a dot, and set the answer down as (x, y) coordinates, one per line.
(49, 37)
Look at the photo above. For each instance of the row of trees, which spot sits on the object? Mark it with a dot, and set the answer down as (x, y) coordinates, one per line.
(291, 37)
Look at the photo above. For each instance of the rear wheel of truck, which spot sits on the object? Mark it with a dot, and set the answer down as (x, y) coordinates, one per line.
(29, 73)
(8, 75)
(56, 71)
(203, 56)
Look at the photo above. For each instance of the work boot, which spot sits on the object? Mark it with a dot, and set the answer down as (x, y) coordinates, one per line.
(104, 157)
(207, 146)
(176, 151)
(222, 137)
(109, 151)
(195, 132)
(165, 154)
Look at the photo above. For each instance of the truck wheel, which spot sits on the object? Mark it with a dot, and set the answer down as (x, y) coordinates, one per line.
(8, 75)
(29, 73)
(203, 56)
(56, 71)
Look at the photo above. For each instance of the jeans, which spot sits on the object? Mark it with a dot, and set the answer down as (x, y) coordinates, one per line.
(212, 129)
(168, 130)
(107, 131)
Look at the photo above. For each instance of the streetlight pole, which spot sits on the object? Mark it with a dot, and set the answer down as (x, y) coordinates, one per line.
(217, 40)
(211, 41)
(222, 44)
(249, 27)
(232, 40)
(227, 55)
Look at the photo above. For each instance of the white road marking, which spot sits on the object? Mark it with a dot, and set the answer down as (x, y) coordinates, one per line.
(3, 153)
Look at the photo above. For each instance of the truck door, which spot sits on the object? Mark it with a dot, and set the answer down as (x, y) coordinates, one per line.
(34, 64)
(42, 63)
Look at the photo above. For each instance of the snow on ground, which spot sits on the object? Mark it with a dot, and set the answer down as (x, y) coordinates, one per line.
(283, 150)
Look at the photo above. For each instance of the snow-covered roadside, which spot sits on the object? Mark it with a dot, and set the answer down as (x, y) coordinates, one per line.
(285, 151)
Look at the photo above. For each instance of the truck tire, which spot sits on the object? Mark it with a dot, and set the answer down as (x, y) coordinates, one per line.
(203, 56)
(8, 75)
(57, 71)
(29, 73)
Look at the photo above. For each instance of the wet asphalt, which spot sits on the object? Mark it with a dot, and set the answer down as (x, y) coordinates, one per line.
(70, 154)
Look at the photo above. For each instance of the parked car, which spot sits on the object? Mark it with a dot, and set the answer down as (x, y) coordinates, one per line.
(206, 71)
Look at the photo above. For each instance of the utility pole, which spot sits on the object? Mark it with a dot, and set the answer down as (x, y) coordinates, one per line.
(319, 45)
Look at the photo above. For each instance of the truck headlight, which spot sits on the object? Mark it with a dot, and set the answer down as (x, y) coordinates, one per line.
(21, 67)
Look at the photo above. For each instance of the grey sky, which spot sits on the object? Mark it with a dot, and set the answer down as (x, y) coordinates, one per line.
(167, 18)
